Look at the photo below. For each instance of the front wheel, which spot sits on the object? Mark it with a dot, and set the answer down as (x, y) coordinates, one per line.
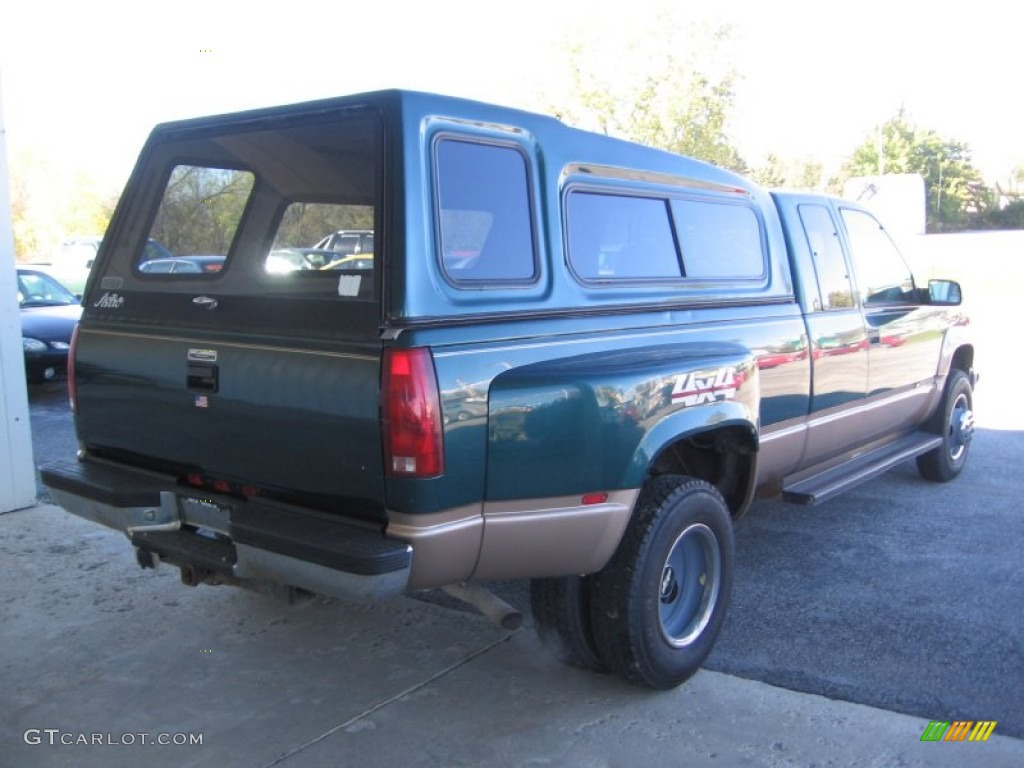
(954, 421)
(659, 604)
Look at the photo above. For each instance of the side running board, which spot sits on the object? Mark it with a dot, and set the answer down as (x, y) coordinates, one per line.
(823, 485)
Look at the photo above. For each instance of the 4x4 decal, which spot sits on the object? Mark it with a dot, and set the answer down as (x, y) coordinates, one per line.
(699, 387)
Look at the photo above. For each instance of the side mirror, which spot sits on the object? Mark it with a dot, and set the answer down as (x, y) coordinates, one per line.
(945, 293)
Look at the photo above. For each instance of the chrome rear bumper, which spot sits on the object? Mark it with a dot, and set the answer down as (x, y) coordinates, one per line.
(234, 539)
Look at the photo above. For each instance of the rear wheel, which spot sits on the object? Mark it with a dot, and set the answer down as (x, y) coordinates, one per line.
(659, 604)
(954, 421)
(561, 615)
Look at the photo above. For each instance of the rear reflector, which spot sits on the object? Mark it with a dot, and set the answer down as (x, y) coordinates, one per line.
(72, 385)
(411, 412)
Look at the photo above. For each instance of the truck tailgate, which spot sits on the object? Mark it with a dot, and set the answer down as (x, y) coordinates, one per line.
(293, 422)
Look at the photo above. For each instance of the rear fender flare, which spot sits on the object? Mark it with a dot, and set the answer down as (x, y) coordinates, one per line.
(688, 423)
(736, 481)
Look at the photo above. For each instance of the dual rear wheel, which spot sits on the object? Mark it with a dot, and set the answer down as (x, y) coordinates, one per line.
(652, 614)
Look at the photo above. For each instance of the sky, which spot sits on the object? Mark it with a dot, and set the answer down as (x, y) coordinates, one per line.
(84, 82)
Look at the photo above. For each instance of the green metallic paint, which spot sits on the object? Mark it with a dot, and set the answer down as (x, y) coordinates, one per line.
(581, 424)
(300, 422)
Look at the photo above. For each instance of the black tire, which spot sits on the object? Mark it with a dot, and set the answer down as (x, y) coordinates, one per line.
(659, 604)
(561, 616)
(954, 420)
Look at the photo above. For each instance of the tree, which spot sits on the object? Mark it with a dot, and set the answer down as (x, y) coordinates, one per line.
(668, 88)
(1010, 216)
(50, 201)
(800, 174)
(772, 173)
(304, 224)
(201, 209)
(955, 190)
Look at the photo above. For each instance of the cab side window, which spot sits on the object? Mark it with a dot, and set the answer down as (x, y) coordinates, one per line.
(882, 275)
(829, 261)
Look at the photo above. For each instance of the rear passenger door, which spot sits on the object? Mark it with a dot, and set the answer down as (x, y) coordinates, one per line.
(838, 334)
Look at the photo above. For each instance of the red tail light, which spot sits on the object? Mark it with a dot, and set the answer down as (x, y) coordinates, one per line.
(72, 385)
(411, 411)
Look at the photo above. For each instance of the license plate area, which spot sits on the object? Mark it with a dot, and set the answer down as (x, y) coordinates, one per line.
(205, 514)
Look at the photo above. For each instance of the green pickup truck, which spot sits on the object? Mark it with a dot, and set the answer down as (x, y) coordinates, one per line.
(568, 358)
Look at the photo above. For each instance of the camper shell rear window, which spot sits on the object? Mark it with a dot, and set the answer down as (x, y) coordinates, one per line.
(254, 209)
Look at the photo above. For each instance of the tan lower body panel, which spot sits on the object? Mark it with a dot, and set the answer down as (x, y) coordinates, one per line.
(445, 545)
(528, 538)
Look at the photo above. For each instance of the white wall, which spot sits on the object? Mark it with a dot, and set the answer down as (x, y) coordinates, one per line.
(900, 200)
(17, 475)
(990, 267)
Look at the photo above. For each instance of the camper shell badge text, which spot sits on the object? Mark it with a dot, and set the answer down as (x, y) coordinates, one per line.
(110, 301)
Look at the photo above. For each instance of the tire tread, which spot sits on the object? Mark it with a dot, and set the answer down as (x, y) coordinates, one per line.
(618, 601)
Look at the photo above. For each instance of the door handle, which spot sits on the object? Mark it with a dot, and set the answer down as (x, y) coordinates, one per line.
(202, 377)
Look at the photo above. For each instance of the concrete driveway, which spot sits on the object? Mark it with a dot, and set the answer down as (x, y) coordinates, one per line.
(101, 660)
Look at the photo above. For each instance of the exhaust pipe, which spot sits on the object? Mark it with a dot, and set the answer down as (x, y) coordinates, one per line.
(488, 603)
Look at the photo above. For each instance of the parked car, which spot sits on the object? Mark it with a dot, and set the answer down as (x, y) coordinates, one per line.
(207, 264)
(358, 261)
(282, 260)
(49, 313)
(348, 242)
(76, 252)
(72, 259)
(166, 266)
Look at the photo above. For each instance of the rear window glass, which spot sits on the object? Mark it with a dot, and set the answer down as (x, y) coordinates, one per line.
(718, 240)
(283, 206)
(619, 237)
(484, 219)
(302, 223)
(196, 222)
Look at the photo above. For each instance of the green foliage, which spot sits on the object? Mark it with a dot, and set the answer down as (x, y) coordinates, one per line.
(772, 174)
(305, 224)
(1011, 216)
(667, 88)
(801, 174)
(955, 190)
(49, 202)
(201, 209)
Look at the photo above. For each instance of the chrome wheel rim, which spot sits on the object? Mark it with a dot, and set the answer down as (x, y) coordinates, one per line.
(961, 427)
